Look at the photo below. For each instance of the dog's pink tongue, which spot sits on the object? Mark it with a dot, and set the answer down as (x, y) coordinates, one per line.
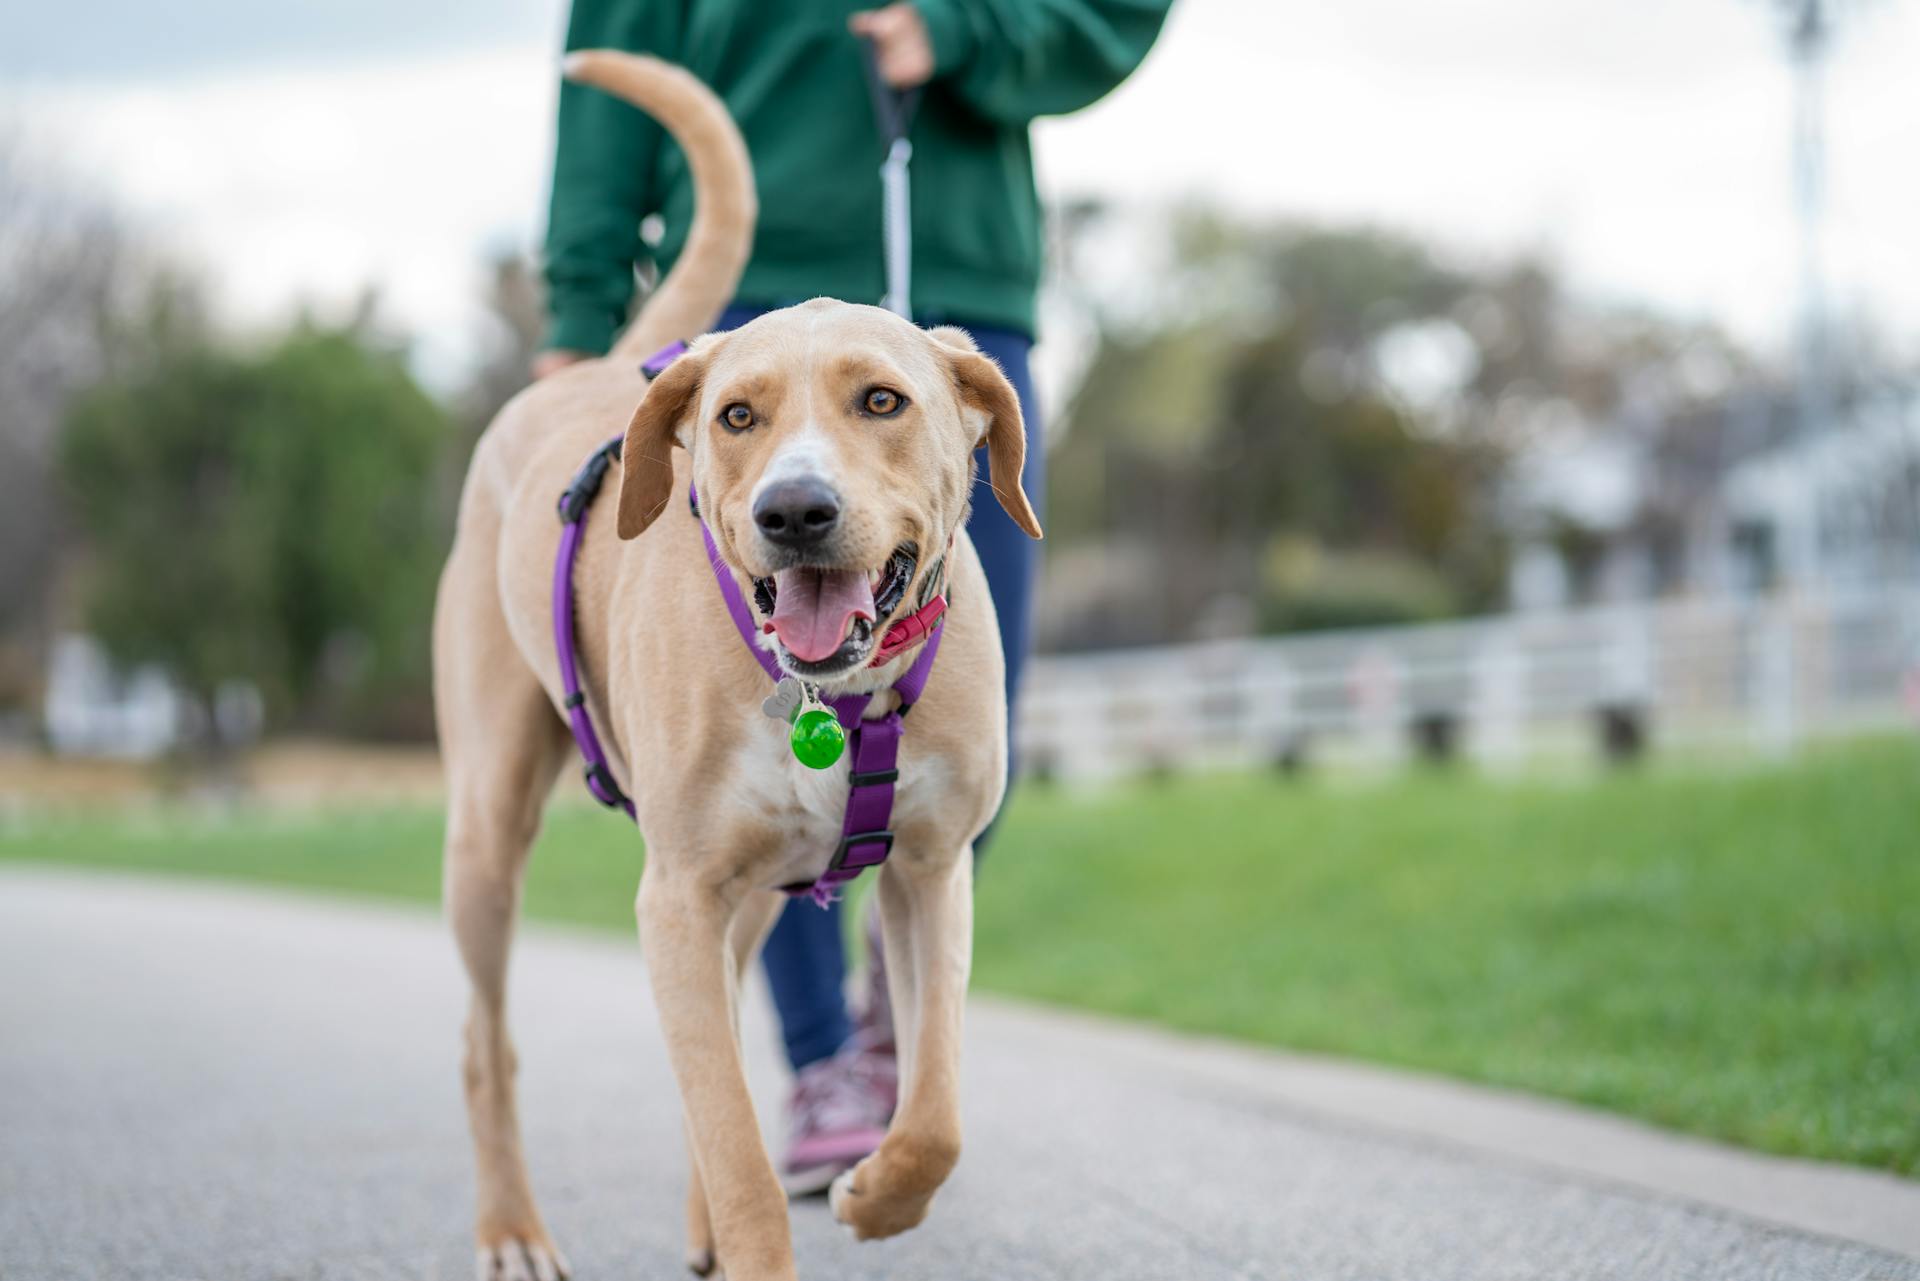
(814, 608)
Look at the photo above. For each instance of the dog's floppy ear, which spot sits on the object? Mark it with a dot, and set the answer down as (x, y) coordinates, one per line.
(989, 399)
(646, 456)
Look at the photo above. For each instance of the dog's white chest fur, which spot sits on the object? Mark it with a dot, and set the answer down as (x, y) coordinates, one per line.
(810, 805)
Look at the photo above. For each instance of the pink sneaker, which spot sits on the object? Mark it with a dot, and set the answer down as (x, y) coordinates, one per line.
(838, 1115)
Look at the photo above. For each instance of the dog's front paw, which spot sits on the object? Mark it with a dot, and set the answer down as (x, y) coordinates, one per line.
(519, 1259)
(859, 1200)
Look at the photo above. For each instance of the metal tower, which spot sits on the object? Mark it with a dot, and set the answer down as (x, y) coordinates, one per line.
(1809, 32)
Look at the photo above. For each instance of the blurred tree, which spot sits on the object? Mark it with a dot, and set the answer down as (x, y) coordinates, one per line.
(267, 518)
(1343, 403)
(1303, 393)
(61, 253)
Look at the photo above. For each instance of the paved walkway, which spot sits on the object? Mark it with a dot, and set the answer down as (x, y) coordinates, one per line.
(211, 1084)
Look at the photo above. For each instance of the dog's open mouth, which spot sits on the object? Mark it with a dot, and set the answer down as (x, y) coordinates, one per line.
(825, 618)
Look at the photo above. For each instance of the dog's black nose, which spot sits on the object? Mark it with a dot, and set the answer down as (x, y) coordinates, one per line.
(797, 513)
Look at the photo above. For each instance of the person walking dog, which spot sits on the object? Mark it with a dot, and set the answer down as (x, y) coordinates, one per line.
(939, 95)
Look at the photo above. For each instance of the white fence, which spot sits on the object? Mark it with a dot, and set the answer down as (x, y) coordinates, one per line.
(1762, 673)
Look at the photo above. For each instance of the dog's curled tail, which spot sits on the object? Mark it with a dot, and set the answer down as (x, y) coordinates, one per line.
(703, 278)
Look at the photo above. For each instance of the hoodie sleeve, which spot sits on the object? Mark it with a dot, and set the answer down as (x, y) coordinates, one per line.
(1013, 60)
(605, 155)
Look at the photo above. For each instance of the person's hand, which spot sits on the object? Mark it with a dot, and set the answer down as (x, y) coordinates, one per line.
(900, 40)
(553, 360)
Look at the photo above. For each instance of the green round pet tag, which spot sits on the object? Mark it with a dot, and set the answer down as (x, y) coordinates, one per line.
(817, 738)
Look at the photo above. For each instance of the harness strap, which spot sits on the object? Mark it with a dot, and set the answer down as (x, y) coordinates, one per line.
(574, 502)
(873, 762)
(874, 757)
(656, 364)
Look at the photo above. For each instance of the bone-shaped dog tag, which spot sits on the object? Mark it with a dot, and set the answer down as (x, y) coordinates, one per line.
(785, 700)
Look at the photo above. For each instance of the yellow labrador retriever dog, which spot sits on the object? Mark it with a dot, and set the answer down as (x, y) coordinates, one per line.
(830, 447)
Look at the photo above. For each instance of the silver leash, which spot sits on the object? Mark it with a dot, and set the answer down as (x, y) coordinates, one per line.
(893, 116)
(896, 190)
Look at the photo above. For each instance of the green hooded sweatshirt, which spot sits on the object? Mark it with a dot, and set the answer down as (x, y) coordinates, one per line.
(792, 75)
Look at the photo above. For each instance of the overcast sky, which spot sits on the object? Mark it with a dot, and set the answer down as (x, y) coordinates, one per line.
(299, 151)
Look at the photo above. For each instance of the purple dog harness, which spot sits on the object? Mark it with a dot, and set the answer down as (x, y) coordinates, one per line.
(865, 838)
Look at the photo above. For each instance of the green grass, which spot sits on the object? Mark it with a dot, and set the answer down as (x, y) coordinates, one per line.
(1732, 952)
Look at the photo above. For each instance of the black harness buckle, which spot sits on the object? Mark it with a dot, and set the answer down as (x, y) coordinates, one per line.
(586, 482)
(882, 837)
(600, 783)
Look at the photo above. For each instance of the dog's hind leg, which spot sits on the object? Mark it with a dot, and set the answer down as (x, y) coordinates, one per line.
(927, 927)
(501, 745)
(492, 816)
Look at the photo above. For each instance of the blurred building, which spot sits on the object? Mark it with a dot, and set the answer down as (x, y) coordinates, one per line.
(1731, 501)
(94, 709)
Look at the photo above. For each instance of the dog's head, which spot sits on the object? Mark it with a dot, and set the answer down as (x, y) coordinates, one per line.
(832, 451)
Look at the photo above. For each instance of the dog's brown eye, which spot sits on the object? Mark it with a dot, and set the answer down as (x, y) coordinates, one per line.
(737, 416)
(884, 403)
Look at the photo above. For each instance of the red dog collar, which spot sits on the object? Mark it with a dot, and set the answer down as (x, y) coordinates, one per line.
(909, 631)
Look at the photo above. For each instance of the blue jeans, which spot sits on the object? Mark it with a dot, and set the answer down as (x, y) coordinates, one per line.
(805, 954)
